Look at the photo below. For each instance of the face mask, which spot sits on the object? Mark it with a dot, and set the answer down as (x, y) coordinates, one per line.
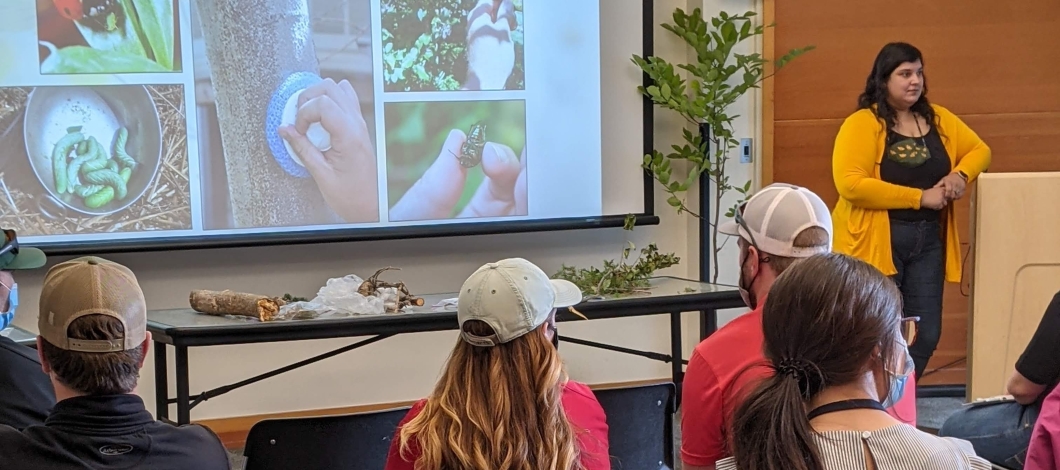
(745, 287)
(12, 301)
(898, 381)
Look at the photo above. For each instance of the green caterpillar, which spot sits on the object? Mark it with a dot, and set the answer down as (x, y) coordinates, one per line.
(108, 178)
(94, 152)
(100, 198)
(82, 147)
(87, 190)
(113, 166)
(119, 149)
(59, 153)
(126, 173)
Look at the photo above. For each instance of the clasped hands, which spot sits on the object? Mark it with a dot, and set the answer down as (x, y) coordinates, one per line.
(949, 188)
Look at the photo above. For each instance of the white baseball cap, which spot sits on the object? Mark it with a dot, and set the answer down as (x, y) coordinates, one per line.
(514, 297)
(778, 213)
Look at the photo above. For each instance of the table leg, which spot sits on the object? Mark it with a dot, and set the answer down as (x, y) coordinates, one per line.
(161, 382)
(183, 388)
(708, 322)
(676, 353)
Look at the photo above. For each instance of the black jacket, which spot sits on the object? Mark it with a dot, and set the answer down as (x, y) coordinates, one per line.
(26, 394)
(109, 432)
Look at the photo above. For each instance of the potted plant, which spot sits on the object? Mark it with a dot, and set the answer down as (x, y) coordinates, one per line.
(716, 80)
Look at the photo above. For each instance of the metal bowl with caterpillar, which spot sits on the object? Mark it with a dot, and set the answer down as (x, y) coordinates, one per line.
(96, 112)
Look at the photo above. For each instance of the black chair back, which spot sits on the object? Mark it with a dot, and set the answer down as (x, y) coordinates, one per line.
(350, 442)
(640, 426)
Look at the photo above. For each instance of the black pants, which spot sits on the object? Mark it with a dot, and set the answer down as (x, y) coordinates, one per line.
(919, 256)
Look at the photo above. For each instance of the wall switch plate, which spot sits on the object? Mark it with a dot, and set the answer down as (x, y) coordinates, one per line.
(746, 150)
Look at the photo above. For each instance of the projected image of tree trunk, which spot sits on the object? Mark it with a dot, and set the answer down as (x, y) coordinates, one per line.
(261, 58)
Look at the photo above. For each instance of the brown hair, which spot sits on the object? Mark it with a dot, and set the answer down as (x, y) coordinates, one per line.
(109, 373)
(826, 319)
(496, 407)
(812, 237)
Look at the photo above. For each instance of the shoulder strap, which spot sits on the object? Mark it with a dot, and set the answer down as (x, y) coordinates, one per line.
(845, 405)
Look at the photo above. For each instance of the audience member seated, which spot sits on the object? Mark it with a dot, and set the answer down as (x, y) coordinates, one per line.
(834, 338)
(780, 225)
(1043, 452)
(92, 344)
(26, 393)
(1000, 429)
(504, 399)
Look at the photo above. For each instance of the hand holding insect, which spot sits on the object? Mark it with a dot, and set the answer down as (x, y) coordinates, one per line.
(345, 173)
(436, 193)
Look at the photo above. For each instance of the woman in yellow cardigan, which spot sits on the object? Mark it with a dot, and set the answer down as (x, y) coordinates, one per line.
(898, 163)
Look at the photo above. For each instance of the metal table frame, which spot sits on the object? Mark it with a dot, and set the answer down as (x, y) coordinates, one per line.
(707, 300)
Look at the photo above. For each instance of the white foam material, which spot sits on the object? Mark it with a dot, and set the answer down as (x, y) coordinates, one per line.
(316, 134)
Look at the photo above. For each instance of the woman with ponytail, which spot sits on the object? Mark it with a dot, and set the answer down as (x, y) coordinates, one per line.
(504, 401)
(835, 336)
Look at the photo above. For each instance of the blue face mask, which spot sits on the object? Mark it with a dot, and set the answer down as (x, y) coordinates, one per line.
(898, 381)
(12, 301)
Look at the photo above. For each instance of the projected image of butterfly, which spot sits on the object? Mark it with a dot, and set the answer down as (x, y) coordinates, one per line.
(444, 45)
(108, 36)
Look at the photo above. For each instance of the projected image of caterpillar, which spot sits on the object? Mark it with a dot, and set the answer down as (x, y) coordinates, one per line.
(456, 159)
(445, 45)
(94, 159)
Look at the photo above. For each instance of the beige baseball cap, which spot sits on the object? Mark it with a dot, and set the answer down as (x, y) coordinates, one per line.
(514, 297)
(775, 215)
(92, 286)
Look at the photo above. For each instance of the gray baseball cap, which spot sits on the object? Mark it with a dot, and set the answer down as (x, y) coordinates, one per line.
(514, 297)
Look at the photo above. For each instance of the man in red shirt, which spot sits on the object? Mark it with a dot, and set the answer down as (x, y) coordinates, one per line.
(778, 226)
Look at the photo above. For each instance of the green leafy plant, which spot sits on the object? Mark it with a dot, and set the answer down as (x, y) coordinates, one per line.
(716, 80)
(620, 277)
(144, 42)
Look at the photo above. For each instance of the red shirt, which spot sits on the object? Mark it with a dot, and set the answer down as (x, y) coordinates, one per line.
(583, 411)
(1044, 450)
(723, 368)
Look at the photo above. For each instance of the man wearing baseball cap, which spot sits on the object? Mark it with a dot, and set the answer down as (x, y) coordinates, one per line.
(92, 344)
(26, 393)
(503, 373)
(778, 226)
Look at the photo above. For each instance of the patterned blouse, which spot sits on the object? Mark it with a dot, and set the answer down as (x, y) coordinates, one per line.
(898, 447)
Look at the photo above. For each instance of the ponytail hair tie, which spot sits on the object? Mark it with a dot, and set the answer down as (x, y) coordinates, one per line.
(807, 375)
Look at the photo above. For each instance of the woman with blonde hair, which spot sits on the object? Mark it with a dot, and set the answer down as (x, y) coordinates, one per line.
(504, 400)
(835, 338)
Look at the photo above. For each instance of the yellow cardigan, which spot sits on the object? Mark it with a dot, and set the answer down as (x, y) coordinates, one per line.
(860, 221)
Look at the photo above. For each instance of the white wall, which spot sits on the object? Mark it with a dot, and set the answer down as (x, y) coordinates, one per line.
(405, 367)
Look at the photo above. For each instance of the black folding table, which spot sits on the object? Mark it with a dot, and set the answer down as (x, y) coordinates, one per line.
(185, 328)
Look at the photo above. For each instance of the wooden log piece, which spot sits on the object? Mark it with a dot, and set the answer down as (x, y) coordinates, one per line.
(227, 302)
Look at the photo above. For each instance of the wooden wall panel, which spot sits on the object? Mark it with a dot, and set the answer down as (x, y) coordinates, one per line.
(981, 56)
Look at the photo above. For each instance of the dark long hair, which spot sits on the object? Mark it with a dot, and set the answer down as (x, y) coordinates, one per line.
(875, 95)
(825, 320)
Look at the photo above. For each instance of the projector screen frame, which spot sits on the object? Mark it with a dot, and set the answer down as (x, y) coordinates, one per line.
(646, 217)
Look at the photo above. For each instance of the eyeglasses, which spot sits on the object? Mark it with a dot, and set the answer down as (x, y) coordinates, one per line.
(909, 329)
(743, 224)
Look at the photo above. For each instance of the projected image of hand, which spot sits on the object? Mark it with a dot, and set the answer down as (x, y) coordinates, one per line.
(346, 173)
(502, 192)
(490, 47)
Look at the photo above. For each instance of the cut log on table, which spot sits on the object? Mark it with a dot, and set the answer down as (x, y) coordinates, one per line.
(227, 302)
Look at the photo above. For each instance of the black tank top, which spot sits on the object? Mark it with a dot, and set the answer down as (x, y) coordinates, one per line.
(914, 162)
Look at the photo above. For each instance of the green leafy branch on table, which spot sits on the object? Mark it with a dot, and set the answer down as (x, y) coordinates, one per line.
(621, 277)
